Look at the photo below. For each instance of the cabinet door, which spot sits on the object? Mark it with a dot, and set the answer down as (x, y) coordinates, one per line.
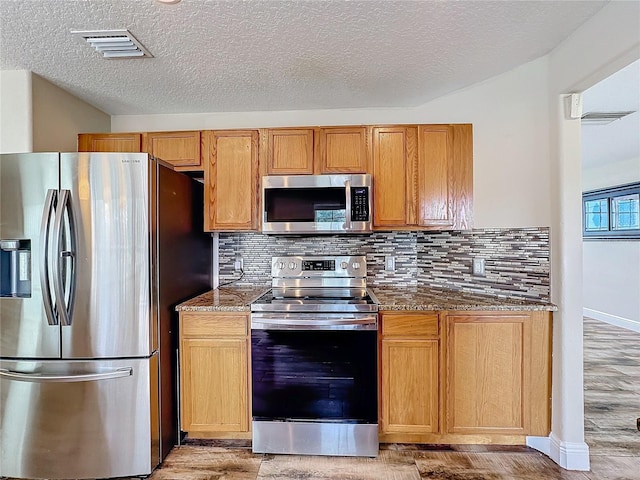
(488, 359)
(343, 150)
(110, 142)
(462, 192)
(214, 385)
(290, 151)
(410, 386)
(231, 179)
(435, 175)
(394, 163)
(180, 149)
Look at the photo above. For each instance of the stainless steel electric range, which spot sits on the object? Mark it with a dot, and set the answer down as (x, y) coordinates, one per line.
(314, 359)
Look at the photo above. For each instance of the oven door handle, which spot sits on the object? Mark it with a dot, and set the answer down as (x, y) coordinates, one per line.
(276, 322)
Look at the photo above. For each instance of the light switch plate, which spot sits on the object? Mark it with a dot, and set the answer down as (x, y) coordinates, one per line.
(390, 263)
(478, 267)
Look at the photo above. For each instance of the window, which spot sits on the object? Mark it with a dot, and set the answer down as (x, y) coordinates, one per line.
(612, 212)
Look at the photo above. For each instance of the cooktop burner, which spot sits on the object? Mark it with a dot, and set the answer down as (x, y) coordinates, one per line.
(314, 284)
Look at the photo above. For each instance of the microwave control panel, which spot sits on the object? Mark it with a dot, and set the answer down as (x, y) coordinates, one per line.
(359, 204)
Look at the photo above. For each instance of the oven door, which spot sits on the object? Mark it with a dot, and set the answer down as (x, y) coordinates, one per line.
(315, 389)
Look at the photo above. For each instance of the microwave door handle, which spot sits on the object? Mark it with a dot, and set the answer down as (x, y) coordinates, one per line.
(347, 186)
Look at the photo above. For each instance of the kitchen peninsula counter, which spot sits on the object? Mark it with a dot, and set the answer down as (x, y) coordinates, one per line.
(238, 299)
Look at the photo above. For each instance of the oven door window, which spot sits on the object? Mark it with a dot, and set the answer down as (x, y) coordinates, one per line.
(314, 375)
(320, 205)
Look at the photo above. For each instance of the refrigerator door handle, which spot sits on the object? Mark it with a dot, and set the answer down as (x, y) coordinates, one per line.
(83, 377)
(45, 228)
(64, 300)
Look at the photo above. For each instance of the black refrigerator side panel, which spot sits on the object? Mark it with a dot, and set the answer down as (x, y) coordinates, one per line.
(182, 269)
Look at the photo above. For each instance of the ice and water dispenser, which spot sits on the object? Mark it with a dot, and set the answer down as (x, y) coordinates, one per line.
(15, 268)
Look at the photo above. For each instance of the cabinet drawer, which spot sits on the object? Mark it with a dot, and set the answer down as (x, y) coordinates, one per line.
(205, 324)
(410, 324)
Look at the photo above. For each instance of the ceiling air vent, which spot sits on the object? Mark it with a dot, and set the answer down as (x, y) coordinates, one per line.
(603, 118)
(114, 43)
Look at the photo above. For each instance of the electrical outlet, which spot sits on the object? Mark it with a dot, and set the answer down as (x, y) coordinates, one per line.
(238, 264)
(478, 267)
(390, 263)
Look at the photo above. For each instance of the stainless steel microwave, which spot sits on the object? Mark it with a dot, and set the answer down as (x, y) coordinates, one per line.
(316, 204)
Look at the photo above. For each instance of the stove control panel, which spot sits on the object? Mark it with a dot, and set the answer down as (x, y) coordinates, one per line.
(316, 265)
(325, 266)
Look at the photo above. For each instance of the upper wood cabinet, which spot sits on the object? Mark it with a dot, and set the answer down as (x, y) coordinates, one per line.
(180, 149)
(343, 150)
(435, 175)
(422, 176)
(231, 180)
(394, 163)
(289, 151)
(499, 379)
(110, 142)
(305, 151)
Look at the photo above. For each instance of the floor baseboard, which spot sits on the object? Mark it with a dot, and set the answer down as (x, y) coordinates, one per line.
(612, 319)
(569, 455)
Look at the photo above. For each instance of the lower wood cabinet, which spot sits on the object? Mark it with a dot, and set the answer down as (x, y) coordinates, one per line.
(465, 377)
(214, 375)
(499, 373)
(410, 373)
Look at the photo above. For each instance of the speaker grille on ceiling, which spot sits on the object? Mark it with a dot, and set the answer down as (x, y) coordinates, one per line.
(114, 43)
(603, 118)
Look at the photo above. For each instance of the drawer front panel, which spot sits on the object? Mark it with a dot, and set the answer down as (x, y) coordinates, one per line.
(414, 325)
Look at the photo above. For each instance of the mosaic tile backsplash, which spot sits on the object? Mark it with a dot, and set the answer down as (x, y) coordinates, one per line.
(517, 261)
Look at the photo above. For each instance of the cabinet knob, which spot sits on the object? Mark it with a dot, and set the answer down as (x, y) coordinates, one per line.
(344, 265)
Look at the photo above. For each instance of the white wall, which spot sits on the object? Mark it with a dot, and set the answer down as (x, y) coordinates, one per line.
(611, 174)
(611, 268)
(612, 282)
(511, 149)
(58, 117)
(15, 111)
(603, 45)
(37, 116)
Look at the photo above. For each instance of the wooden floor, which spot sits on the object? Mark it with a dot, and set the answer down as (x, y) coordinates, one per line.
(612, 404)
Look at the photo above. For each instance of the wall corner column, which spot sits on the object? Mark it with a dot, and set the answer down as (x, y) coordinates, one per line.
(567, 444)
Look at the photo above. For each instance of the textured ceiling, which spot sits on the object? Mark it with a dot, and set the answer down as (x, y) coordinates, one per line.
(221, 56)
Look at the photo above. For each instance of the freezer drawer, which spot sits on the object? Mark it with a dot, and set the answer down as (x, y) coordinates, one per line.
(78, 419)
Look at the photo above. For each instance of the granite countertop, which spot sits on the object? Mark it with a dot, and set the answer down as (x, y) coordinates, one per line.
(224, 299)
(238, 299)
(425, 298)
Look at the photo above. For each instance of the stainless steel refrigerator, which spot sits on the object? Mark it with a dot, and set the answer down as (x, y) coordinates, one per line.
(95, 251)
